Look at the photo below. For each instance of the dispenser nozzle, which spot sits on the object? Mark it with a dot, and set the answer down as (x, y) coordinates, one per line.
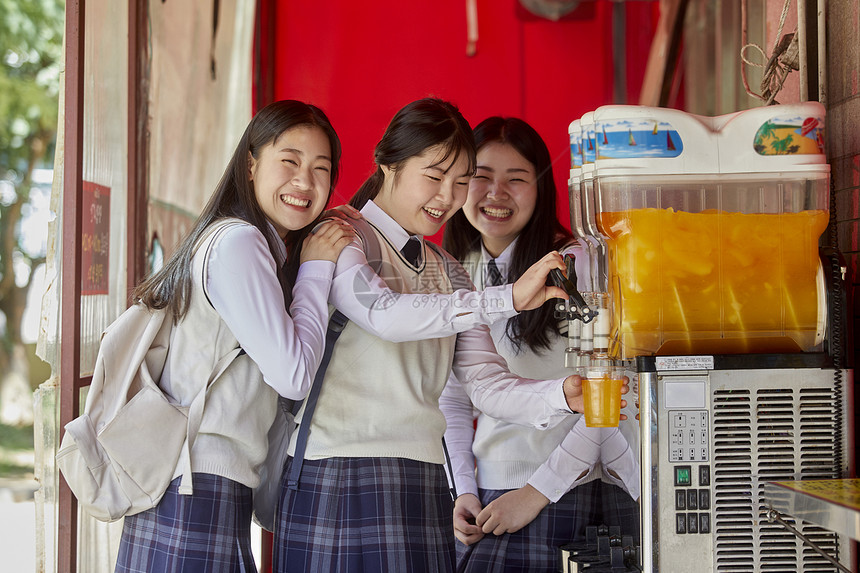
(579, 309)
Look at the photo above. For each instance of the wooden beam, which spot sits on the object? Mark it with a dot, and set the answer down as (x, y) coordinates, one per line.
(138, 156)
(265, 30)
(70, 292)
(619, 53)
(663, 57)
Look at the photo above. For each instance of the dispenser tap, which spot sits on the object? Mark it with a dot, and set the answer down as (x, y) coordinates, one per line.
(578, 309)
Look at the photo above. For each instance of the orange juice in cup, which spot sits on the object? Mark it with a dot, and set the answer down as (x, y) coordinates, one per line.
(601, 395)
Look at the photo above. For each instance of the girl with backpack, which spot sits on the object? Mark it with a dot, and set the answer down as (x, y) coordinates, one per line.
(253, 253)
(370, 493)
(532, 491)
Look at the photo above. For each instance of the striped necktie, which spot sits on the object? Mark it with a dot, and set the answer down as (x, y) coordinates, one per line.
(494, 277)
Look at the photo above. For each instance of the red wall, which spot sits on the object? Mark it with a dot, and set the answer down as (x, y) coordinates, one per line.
(362, 61)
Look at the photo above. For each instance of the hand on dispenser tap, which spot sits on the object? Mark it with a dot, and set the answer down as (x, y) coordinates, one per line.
(530, 290)
(573, 393)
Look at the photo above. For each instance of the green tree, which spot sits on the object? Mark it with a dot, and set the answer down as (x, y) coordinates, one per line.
(31, 39)
(781, 145)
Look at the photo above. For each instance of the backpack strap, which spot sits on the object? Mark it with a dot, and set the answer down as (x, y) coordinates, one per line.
(336, 325)
(364, 230)
(209, 239)
(195, 410)
(338, 321)
(195, 416)
(373, 254)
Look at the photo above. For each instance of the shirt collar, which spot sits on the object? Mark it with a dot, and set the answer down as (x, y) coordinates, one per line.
(396, 234)
(504, 258)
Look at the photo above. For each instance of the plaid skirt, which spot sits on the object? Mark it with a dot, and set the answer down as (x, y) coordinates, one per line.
(534, 548)
(365, 515)
(618, 508)
(208, 531)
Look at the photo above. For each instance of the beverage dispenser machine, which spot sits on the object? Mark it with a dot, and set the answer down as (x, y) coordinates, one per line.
(721, 302)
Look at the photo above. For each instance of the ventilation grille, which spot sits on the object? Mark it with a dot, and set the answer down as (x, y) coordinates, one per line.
(762, 435)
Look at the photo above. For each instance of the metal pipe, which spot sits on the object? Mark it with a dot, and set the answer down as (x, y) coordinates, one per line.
(471, 27)
(801, 48)
(649, 497)
(773, 515)
(619, 52)
(822, 53)
(136, 146)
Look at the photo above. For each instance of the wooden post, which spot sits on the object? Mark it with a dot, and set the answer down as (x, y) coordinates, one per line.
(663, 57)
(70, 292)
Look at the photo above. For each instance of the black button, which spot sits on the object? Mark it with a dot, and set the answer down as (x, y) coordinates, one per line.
(680, 523)
(704, 523)
(692, 523)
(692, 499)
(704, 475)
(704, 499)
(680, 499)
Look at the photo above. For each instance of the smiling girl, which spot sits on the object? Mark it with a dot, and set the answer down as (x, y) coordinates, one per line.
(533, 490)
(372, 494)
(248, 258)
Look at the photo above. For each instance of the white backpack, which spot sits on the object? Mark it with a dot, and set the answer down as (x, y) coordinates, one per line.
(120, 455)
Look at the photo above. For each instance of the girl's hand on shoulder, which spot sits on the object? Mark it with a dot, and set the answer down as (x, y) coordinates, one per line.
(327, 240)
(466, 508)
(530, 290)
(512, 511)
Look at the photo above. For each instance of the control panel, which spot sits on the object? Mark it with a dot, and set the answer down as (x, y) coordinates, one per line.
(688, 436)
(688, 444)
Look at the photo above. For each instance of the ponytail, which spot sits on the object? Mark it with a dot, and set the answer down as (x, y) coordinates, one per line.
(369, 189)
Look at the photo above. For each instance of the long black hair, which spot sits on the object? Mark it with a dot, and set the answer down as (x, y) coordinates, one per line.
(418, 126)
(541, 234)
(234, 197)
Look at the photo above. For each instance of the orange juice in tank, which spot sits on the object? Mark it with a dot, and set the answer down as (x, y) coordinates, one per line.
(723, 259)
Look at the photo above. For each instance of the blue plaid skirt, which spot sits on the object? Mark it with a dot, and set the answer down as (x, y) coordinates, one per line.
(534, 548)
(209, 531)
(365, 515)
(618, 508)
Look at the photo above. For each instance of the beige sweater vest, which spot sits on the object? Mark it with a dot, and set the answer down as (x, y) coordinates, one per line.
(239, 407)
(381, 398)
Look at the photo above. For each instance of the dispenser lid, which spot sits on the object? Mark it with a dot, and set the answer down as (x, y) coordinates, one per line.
(653, 140)
(641, 140)
(587, 138)
(575, 134)
(773, 138)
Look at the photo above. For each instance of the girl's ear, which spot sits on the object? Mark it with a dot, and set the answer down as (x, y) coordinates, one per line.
(387, 170)
(251, 164)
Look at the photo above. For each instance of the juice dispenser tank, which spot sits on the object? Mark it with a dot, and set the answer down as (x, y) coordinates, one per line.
(712, 227)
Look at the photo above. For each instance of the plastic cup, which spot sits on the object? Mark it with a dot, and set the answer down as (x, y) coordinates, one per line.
(601, 394)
